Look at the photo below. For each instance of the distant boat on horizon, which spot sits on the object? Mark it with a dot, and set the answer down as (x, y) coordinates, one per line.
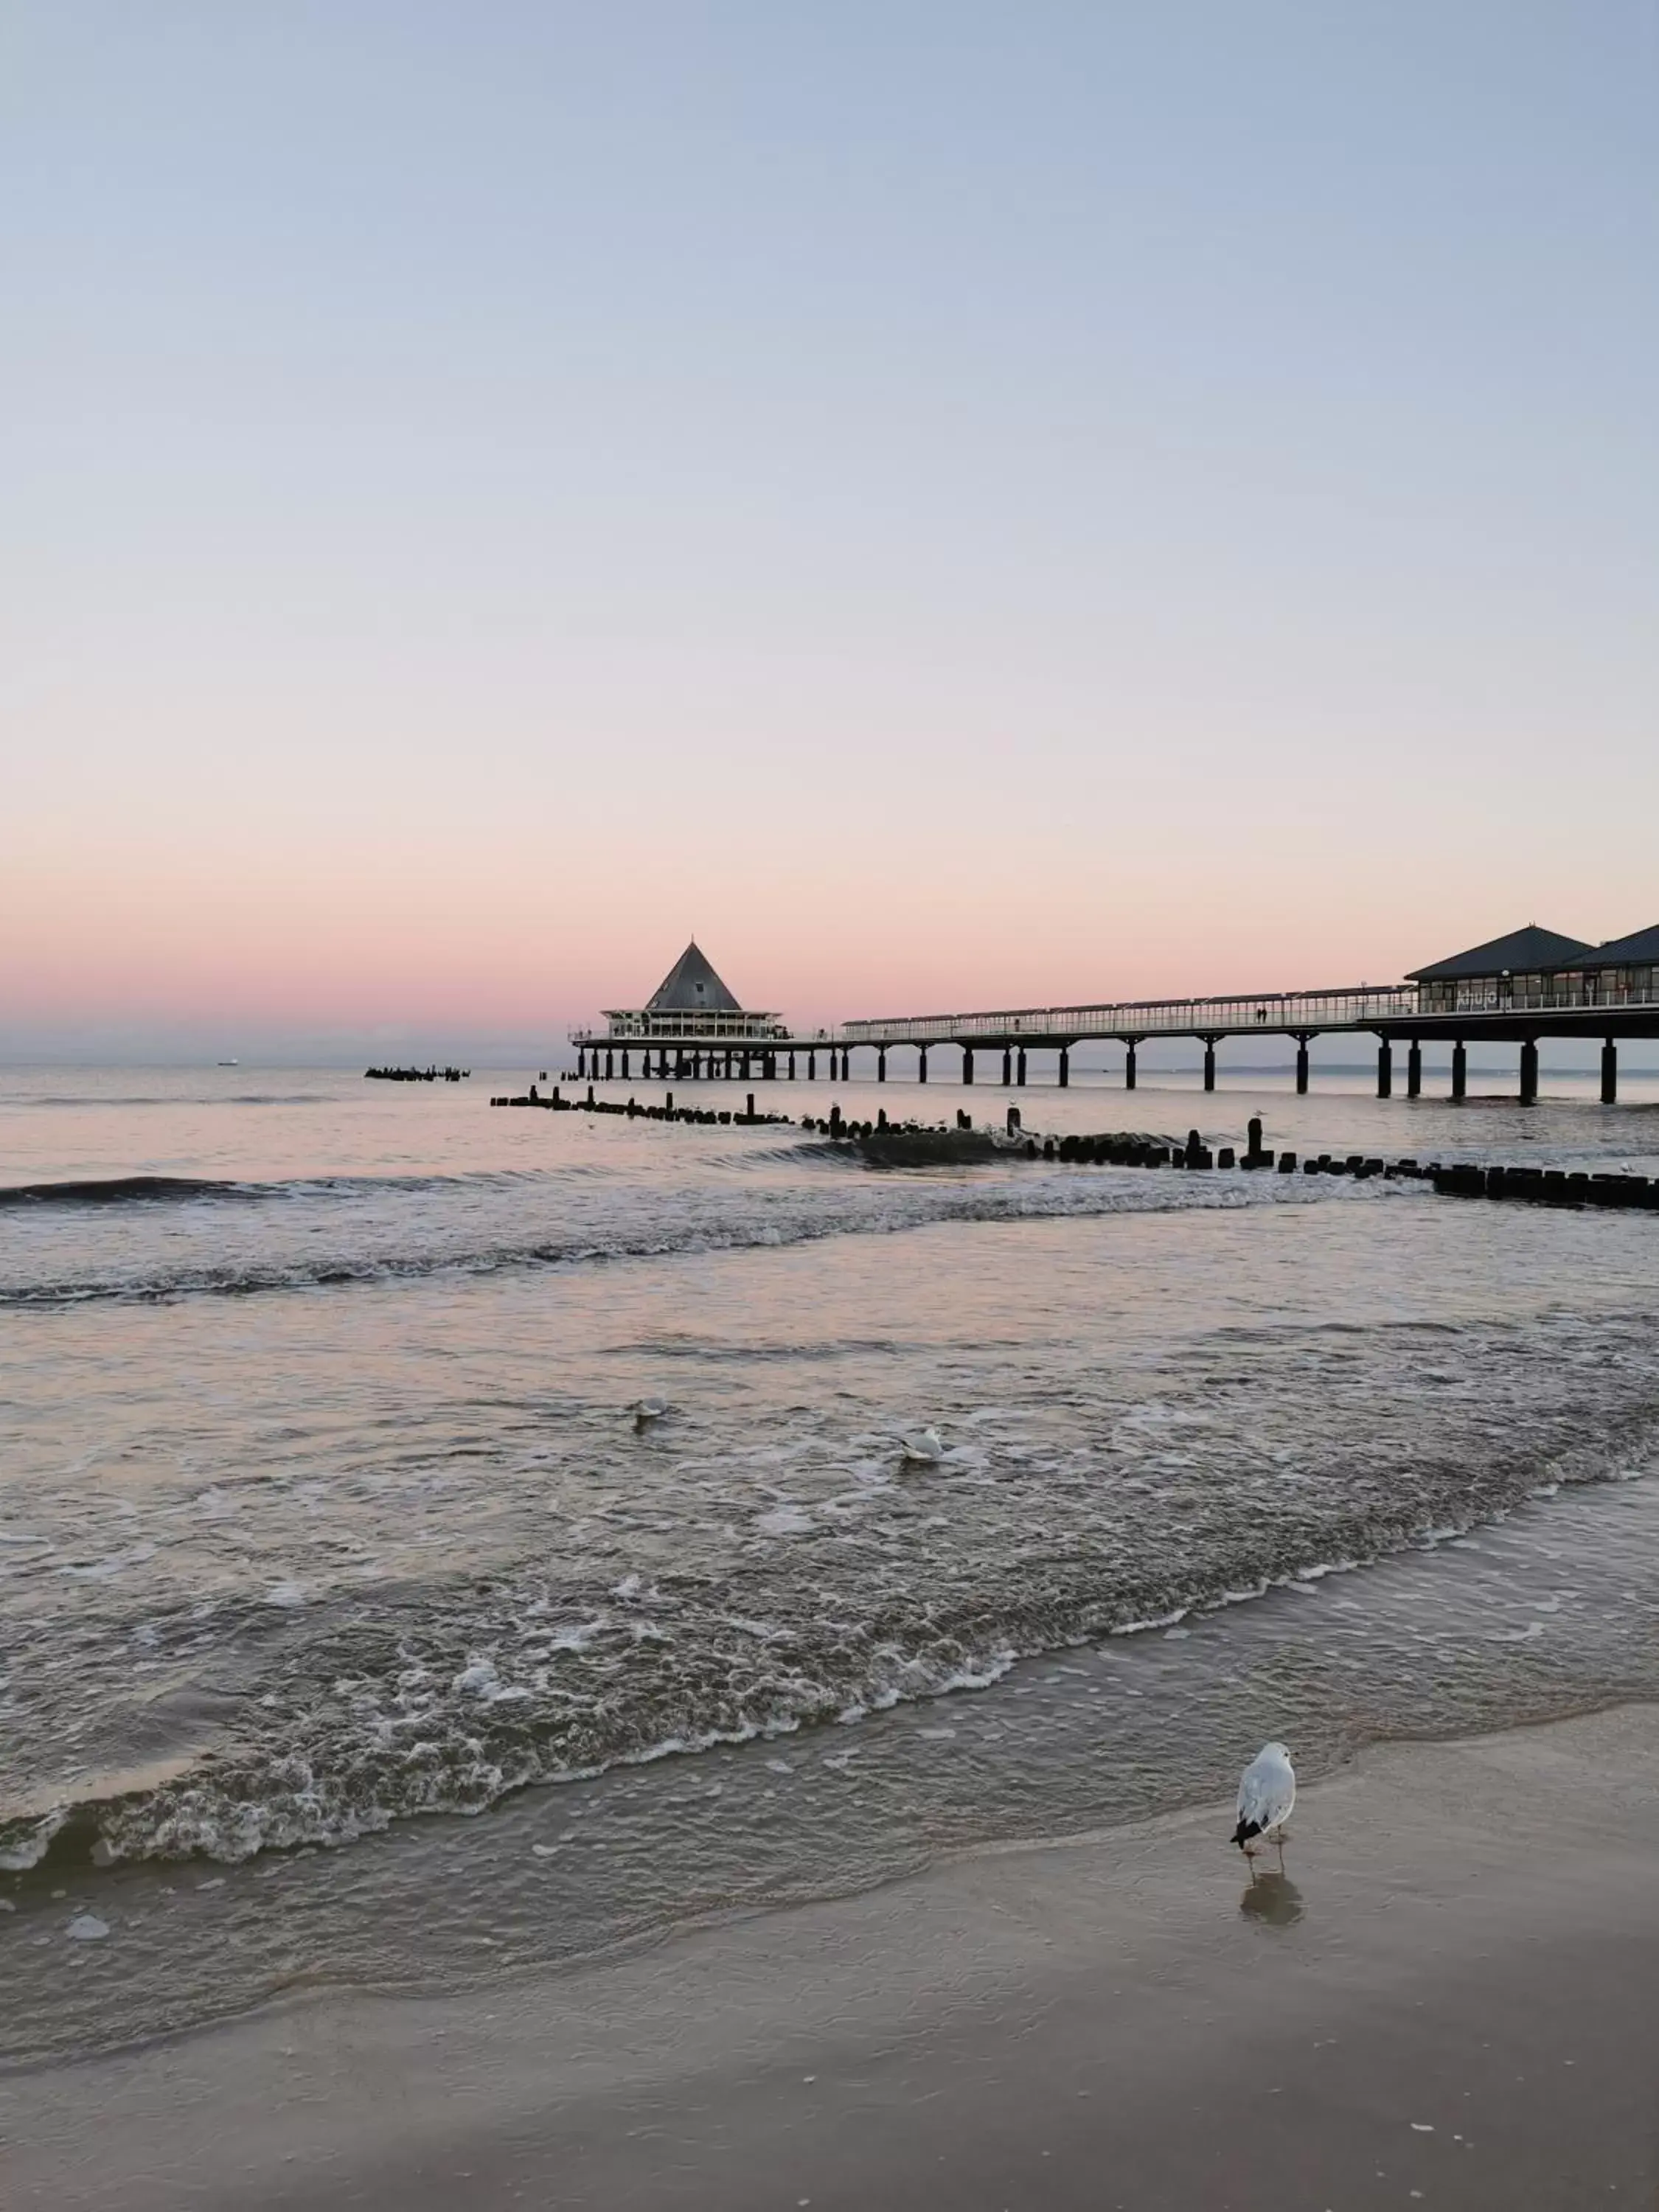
(230, 1063)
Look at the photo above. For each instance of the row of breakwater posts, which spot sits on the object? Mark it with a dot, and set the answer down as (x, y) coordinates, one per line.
(417, 1074)
(888, 1143)
(631, 1110)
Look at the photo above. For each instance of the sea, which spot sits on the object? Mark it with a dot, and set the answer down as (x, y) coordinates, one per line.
(355, 1631)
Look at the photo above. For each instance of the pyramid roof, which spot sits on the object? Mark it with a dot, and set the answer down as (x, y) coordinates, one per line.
(1522, 952)
(691, 987)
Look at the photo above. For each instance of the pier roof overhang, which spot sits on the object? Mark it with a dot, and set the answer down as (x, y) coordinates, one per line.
(1529, 951)
(1639, 950)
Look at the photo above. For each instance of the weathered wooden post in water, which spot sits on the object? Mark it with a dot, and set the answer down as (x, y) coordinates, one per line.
(1609, 1073)
(1385, 1069)
(1529, 1072)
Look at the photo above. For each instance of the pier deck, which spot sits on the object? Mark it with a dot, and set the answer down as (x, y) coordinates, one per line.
(1522, 988)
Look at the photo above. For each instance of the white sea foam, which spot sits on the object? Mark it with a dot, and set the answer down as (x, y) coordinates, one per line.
(785, 1521)
(103, 1570)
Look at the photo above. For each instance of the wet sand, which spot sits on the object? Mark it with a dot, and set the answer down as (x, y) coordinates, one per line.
(1452, 1998)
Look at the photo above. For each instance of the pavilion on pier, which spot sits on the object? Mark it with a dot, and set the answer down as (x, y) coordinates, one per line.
(692, 1026)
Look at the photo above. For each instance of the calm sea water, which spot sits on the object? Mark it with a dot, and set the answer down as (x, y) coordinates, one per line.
(325, 1523)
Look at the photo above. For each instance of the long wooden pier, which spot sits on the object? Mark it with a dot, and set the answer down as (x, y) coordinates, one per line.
(1394, 1014)
(1531, 984)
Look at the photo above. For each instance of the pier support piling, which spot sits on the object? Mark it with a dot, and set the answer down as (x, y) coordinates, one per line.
(1609, 1073)
(608, 1057)
(1460, 1072)
(921, 1066)
(1129, 1065)
(1065, 1067)
(792, 1067)
(881, 1063)
(967, 1063)
(1529, 1072)
(1385, 1069)
(1007, 1067)
(811, 1067)
(1209, 1063)
(1019, 1068)
(1302, 1066)
(1415, 1070)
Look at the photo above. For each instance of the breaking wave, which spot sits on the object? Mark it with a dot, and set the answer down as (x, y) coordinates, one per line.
(695, 1220)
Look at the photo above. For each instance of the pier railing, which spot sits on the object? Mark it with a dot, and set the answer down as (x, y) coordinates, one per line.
(685, 1029)
(1350, 1006)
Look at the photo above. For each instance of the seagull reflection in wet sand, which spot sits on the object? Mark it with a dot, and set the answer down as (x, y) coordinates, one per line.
(1272, 1899)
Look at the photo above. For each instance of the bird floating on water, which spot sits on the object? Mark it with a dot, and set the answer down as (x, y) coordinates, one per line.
(647, 1410)
(1264, 1798)
(923, 1445)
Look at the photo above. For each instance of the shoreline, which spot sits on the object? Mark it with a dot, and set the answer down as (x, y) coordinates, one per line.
(1454, 1991)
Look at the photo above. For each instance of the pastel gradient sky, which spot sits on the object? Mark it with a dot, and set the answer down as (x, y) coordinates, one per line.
(956, 504)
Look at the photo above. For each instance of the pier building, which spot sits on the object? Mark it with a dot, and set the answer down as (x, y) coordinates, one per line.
(692, 1028)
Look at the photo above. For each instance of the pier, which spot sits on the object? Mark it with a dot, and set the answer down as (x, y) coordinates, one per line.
(1524, 989)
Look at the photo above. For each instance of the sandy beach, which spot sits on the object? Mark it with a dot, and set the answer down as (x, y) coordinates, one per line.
(1452, 1998)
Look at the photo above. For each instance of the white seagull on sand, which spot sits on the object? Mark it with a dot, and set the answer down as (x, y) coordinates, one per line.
(924, 1445)
(1264, 1798)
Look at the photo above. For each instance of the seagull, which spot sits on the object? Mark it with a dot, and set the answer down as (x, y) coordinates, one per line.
(1264, 1798)
(647, 1410)
(923, 1445)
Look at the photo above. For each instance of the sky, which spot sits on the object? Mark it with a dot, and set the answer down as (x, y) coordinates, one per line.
(955, 505)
